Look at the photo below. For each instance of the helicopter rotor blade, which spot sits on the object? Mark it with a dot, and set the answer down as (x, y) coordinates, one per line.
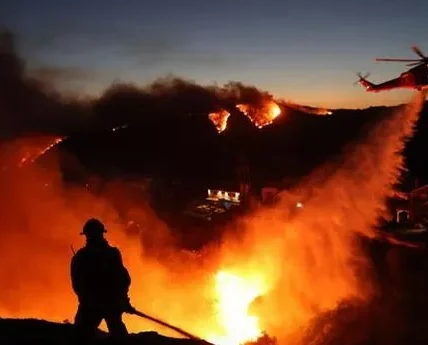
(397, 60)
(413, 64)
(418, 52)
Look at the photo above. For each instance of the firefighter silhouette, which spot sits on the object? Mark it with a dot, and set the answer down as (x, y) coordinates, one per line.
(101, 283)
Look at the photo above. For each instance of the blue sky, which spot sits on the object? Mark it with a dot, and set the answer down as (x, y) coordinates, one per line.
(305, 51)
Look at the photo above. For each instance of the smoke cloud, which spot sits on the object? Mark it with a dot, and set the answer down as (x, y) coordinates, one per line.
(30, 102)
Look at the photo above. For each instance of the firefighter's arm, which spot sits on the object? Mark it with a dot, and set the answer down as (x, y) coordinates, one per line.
(123, 273)
(124, 280)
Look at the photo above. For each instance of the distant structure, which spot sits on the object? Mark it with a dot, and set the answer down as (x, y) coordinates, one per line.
(412, 206)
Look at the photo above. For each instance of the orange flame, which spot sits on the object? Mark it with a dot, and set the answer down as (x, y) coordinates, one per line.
(263, 116)
(219, 119)
(259, 116)
(234, 296)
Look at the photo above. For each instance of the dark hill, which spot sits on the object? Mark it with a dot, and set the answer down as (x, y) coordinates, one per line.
(187, 147)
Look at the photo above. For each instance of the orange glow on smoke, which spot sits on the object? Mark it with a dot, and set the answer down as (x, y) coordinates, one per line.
(282, 269)
(219, 119)
(262, 116)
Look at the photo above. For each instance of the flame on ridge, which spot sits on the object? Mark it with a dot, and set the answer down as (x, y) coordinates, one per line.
(263, 116)
(219, 119)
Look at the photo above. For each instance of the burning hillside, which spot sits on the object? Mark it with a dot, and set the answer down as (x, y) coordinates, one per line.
(260, 115)
(263, 113)
(219, 119)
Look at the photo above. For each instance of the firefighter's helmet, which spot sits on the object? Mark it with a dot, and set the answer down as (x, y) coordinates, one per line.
(93, 227)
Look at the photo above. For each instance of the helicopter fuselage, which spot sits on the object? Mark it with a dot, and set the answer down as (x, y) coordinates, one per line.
(414, 78)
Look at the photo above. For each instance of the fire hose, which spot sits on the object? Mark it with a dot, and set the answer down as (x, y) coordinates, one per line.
(134, 311)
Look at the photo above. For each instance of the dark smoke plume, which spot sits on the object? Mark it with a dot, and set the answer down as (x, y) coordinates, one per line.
(170, 98)
(30, 103)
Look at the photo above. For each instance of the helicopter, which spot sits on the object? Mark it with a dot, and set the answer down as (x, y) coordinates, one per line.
(414, 78)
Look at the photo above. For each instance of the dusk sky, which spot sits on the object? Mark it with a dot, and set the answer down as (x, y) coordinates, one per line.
(307, 51)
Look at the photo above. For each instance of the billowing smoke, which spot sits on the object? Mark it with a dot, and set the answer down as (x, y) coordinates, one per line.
(30, 103)
(171, 98)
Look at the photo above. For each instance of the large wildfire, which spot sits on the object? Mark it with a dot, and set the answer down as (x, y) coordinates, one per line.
(283, 270)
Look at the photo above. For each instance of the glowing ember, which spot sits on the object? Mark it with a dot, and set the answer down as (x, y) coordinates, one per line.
(34, 153)
(219, 119)
(261, 116)
(234, 296)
